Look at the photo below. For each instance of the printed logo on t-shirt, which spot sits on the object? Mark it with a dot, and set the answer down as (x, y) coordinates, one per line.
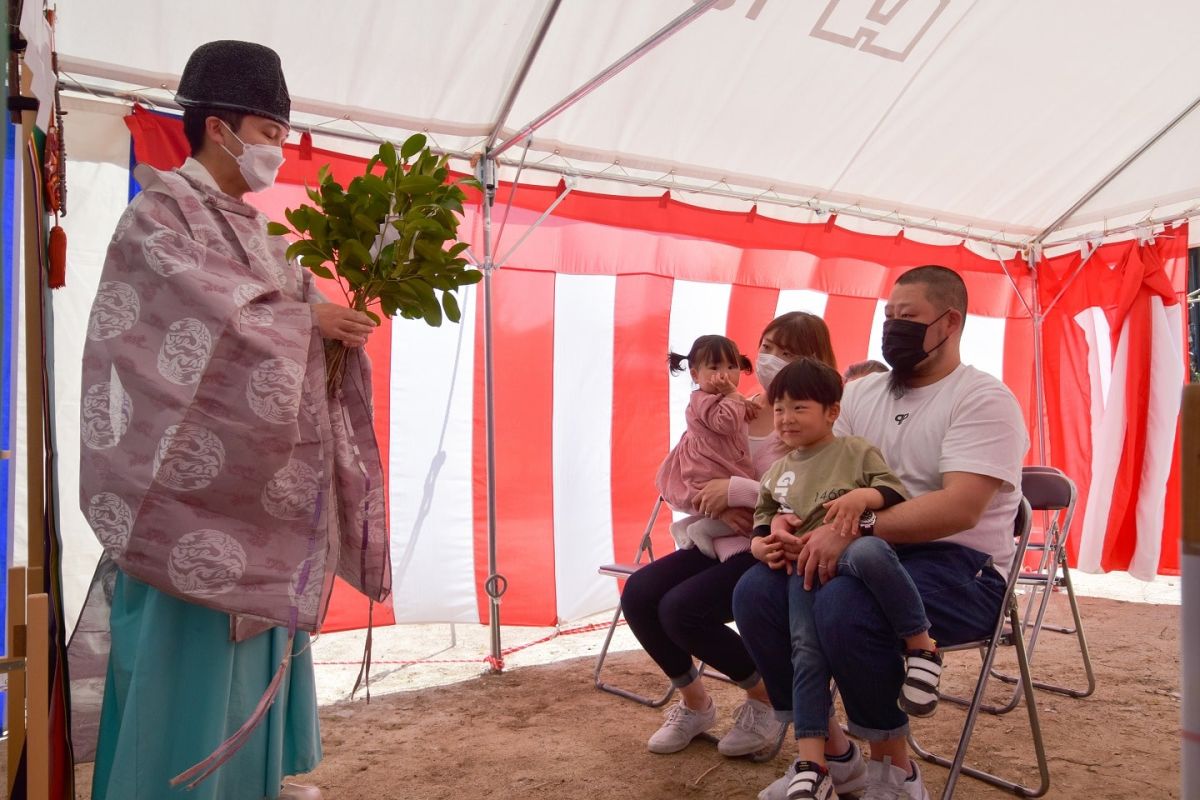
(900, 418)
(782, 484)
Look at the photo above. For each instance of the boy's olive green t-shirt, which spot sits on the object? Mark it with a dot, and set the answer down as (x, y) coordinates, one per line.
(804, 480)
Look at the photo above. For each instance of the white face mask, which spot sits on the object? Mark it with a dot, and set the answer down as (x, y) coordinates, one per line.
(258, 163)
(768, 367)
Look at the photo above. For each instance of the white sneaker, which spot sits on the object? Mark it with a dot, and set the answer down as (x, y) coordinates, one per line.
(849, 776)
(810, 782)
(754, 728)
(885, 782)
(680, 727)
(299, 791)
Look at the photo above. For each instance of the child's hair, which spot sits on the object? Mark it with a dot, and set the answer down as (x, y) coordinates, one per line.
(802, 334)
(861, 369)
(807, 379)
(709, 350)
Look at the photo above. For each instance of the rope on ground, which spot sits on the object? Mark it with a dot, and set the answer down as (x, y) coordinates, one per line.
(497, 664)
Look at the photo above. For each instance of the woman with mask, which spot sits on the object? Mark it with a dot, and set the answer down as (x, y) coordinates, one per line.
(678, 605)
(223, 481)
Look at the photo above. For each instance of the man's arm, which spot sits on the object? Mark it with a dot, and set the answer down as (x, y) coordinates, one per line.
(954, 508)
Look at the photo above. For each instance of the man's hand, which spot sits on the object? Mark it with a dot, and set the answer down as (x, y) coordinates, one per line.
(713, 499)
(342, 324)
(820, 553)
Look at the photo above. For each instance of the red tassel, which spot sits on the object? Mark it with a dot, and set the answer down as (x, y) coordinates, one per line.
(829, 222)
(58, 257)
(306, 146)
(560, 188)
(752, 213)
(899, 237)
(664, 199)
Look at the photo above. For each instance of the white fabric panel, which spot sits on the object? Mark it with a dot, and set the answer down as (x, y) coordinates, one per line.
(942, 68)
(875, 346)
(430, 469)
(801, 300)
(982, 344)
(98, 171)
(1162, 418)
(1108, 433)
(583, 390)
(697, 309)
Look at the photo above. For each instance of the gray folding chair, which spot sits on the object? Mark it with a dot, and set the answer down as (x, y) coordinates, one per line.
(1008, 631)
(624, 570)
(1050, 491)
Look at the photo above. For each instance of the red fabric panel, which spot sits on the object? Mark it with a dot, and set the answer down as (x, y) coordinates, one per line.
(1019, 375)
(849, 320)
(750, 309)
(523, 358)
(641, 416)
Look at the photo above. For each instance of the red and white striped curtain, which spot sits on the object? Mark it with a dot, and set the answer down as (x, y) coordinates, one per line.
(585, 312)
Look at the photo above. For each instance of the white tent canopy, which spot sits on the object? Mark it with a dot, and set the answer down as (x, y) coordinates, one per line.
(990, 120)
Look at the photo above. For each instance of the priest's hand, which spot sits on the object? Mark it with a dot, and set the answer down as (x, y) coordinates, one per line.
(343, 324)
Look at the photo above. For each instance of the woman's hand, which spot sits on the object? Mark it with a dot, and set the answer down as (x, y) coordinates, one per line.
(342, 324)
(713, 499)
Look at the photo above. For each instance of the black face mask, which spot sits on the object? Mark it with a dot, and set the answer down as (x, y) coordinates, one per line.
(904, 343)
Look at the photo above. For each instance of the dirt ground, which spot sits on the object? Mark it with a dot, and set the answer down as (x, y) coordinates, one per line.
(543, 731)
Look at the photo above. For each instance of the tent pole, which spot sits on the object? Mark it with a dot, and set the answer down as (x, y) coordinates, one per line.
(510, 98)
(614, 69)
(1039, 364)
(1107, 179)
(496, 583)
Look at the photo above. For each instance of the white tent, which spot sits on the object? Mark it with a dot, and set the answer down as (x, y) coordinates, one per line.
(1013, 121)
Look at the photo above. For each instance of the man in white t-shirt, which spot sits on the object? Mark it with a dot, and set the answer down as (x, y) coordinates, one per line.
(956, 438)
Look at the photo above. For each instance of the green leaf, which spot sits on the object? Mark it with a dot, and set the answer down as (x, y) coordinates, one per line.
(278, 229)
(374, 317)
(412, 145)
(417, 184)
(469, 277)
(323, 173)
(456, 249)
(387, 153)
(356, 250)
(321, 271)
(451, 305)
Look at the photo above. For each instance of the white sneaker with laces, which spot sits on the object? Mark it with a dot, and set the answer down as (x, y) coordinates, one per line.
(810, 782)
(754, 728)
(885, 782)
(680, 727)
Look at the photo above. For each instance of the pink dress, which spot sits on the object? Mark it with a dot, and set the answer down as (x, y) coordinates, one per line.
(715, 445)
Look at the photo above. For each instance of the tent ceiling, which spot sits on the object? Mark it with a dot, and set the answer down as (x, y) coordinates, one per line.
(993, 116)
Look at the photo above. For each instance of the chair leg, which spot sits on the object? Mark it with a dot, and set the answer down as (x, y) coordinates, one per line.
(957, 766)
(611, 689)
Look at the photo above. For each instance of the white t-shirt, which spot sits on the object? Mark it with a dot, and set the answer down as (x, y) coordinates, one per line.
(966, 422)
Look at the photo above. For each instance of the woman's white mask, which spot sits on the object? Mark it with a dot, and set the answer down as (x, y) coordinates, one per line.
(258, 163)
(768, 367)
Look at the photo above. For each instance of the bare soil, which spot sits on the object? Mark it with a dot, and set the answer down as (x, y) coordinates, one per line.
(545, 732)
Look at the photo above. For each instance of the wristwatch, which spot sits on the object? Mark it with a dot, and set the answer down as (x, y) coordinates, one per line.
(866, 523)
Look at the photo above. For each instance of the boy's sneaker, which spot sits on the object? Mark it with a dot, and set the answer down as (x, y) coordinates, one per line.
(754, 728)
(810, 782)
(848, 775)
(680, 727)
(885, 782)
(922, 673)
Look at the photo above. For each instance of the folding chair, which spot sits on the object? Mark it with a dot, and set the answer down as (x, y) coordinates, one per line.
(1008, 631)
(1048, 490)
(624, 570)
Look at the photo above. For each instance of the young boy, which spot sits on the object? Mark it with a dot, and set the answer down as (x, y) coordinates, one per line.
(838, 480)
